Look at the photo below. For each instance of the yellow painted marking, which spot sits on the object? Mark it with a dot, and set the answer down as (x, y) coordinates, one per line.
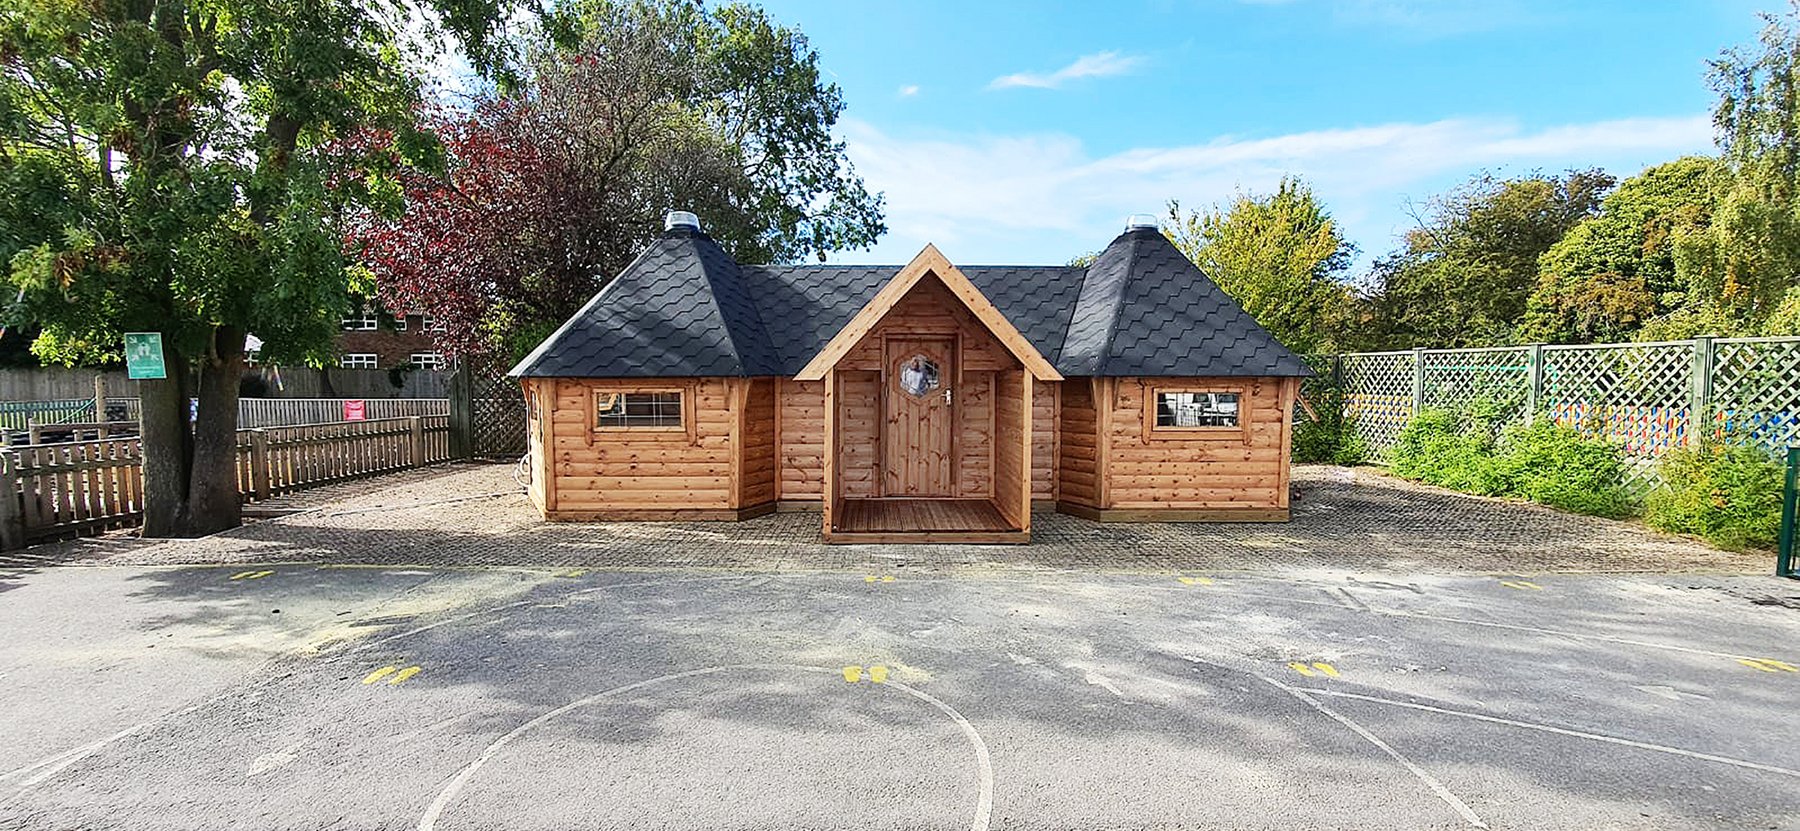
(379, 674)
(1195, 581)
(404, 674)
(251, 575)
(1768, 665)
(1326, 668)
(852, 674)
(576, 573)
(1522, 585)
(1301, 668)
(888, 578)
(878, 674)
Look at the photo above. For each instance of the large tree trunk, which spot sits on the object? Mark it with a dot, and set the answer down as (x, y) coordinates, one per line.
(190, 466)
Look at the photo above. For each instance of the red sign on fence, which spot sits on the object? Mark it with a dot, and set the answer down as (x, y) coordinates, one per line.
(355, 409)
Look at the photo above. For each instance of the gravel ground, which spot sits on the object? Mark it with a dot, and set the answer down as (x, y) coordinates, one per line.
(1343, 518)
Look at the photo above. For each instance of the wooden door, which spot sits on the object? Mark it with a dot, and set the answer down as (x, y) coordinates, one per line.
(916, 459)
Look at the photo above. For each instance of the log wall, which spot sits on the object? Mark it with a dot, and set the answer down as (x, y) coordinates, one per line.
(710, 468)
(1114, 459)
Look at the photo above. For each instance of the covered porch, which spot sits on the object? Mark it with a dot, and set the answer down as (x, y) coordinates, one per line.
(928, 416)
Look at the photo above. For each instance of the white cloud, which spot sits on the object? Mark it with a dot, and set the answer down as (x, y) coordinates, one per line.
(1044, 198)
(1097, 65)
(909, 90)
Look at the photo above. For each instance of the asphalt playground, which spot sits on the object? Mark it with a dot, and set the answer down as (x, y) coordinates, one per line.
(312, 696)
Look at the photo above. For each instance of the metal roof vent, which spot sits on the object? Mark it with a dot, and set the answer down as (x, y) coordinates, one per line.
(1142, 222)
(681, 219)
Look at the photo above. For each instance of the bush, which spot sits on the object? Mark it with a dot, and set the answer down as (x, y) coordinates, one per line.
(1541, 461)
(1727, 493)
(1329, 437)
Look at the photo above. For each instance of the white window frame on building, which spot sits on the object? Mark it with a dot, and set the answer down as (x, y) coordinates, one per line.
(427, 360)
(366, 323)
(359, 360)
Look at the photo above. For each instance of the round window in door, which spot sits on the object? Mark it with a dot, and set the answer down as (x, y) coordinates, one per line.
(918, 376)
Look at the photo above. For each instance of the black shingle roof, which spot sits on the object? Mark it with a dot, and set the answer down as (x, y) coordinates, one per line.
(684, 308)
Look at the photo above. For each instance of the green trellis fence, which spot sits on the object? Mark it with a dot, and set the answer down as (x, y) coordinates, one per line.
(1645, 397)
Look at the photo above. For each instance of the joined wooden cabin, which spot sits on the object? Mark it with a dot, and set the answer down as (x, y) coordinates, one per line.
(917, 403)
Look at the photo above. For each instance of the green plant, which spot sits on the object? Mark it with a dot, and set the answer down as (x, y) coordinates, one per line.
(1728, 493)
(1327, 436)
(1473, 451)
(1554, 465)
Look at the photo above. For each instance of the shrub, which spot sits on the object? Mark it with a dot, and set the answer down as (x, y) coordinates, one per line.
(1541, 461)
(1329, 437)
(1548, 463)
(1727, 493)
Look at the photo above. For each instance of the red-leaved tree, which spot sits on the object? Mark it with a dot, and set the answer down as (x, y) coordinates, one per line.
(547, 191)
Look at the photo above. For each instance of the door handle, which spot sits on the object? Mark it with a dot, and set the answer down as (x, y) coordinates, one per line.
(946, 396)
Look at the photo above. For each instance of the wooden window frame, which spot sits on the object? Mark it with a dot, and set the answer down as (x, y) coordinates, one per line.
(1239, 433)
(683, 432)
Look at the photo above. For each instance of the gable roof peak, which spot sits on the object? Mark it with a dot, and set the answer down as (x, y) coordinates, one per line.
(929, 262)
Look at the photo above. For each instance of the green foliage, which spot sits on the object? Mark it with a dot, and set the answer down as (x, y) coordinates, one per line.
(1326, 435)
(1741, 268)
(1542, 461)
(1616, 272)
(1728, 493)
(1463, 277)
(168, 166)
(1281, 256)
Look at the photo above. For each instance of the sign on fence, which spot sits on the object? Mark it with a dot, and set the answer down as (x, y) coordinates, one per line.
(355, 409)
(144, 356)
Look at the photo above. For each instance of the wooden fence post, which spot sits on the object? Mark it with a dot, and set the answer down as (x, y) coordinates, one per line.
(100, 399)
(1534, 395)
(12, 519)
(1418, 380)
(259, 463)
(417, 426)
(1700, 392)
(462, 411)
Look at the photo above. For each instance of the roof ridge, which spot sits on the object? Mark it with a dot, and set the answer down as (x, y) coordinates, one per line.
(732, 334)
(1118, 307)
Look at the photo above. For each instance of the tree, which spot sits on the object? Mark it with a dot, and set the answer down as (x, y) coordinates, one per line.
(1614, 273)
(630, 110)
(1740, 271)
(1280, 256)
(182, 149)
(1464, 274)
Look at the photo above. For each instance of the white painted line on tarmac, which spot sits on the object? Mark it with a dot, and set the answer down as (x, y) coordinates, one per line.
(60, 762)
(1462, 808)
(984, 802)
(1561, 731)
(1437, 788)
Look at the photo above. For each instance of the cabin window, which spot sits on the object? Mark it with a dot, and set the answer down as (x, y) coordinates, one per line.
(638, 410)
(1188, 410)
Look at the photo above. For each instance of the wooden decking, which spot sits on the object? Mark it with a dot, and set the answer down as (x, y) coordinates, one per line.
(923, 520)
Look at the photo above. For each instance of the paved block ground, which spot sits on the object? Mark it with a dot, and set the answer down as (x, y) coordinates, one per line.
(477, 515)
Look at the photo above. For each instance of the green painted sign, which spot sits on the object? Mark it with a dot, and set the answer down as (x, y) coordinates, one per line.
(144, 356)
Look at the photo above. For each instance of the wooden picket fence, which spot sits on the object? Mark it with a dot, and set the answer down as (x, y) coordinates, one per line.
(56, 491)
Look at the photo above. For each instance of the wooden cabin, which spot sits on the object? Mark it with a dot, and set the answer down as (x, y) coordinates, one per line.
(919, 403)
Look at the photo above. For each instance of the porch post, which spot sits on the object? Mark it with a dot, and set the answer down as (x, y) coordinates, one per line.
(828, 496)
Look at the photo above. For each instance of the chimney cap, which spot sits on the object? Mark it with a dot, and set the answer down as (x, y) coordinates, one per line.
(681, 219)
(1142, 222)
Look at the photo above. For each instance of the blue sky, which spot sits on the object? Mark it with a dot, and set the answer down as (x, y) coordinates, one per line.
(1026, 132)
